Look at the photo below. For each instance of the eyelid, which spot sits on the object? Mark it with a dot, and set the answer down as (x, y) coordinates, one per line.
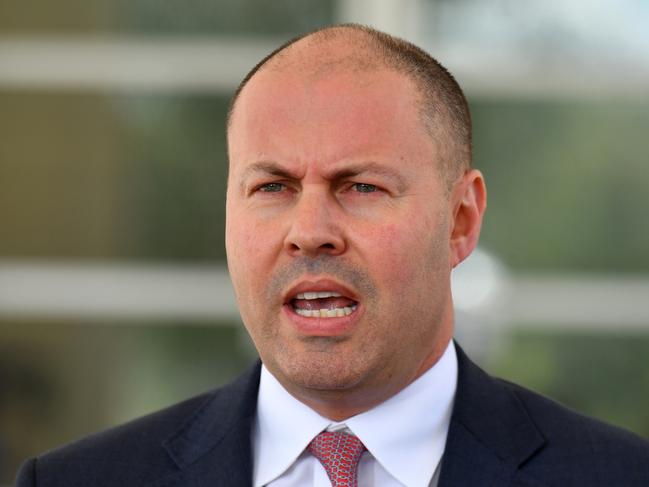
(266, 186)
(374, 186)
(378, 188)
(257, 187)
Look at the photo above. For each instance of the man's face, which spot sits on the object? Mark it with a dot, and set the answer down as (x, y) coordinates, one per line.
(335, 203)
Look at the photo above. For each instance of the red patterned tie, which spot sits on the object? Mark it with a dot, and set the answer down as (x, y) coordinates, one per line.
(339, 454)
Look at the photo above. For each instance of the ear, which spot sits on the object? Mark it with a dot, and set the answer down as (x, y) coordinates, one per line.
(469, 201)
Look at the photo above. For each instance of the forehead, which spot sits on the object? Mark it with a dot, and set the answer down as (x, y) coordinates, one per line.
(326, 108)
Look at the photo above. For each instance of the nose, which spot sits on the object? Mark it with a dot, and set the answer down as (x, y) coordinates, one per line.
(314, 228)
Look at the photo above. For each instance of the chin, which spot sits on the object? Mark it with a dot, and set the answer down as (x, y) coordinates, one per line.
(322, 372)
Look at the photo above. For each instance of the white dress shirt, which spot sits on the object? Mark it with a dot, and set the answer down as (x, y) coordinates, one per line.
(405, 435)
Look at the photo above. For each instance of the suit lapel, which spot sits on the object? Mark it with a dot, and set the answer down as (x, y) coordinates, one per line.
(490, 435)
(214, 446)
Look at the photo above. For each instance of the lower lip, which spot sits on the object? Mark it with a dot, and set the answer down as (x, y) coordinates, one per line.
(323, 327)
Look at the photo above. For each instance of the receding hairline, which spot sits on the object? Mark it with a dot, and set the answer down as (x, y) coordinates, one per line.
(444, 109)
(358, 36)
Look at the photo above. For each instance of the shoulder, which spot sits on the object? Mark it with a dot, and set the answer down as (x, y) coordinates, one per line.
(581, 450)
(135, 448)
(537, 438)
(136, 452)
(585, 436)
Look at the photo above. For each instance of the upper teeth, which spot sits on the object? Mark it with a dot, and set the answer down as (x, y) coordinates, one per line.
(318, 295)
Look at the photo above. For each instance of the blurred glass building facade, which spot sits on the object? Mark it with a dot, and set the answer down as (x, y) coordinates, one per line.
(114, 298)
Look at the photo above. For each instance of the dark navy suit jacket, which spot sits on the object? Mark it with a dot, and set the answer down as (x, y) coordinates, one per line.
(500, 435)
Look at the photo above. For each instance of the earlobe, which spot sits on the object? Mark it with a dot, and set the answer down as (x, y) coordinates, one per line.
(469, 201)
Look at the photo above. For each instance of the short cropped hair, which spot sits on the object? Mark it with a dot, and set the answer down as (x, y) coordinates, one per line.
(444, 108)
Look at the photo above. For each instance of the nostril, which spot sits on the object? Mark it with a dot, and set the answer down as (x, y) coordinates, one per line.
(324, 246)
(314, 241)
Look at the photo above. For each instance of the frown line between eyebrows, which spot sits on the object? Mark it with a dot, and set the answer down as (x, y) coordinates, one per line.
(271, 168)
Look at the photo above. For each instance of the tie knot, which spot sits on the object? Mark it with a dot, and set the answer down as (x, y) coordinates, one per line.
(339, 454)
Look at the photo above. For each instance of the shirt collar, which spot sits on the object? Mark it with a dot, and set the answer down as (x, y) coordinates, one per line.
(284, 427)
(406, 434)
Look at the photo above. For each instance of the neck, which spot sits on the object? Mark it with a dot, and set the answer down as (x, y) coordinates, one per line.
(341, 404)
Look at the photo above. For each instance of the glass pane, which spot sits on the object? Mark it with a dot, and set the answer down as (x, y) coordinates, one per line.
(252, 17)
(90, 175)
(604, 374)
(565, 182)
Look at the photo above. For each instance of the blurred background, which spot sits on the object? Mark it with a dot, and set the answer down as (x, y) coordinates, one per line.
(114, 295)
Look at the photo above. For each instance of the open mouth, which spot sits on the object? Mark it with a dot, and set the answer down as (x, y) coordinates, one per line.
(322, 304)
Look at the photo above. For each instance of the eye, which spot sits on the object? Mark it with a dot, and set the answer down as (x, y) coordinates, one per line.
(364, 188)
(271, 188)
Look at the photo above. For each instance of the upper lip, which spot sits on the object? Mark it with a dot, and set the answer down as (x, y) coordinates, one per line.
(319, 284)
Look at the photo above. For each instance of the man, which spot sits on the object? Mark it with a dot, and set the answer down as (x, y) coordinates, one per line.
(351, 198)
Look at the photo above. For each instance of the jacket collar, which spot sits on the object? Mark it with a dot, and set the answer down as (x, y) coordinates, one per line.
(491, 434)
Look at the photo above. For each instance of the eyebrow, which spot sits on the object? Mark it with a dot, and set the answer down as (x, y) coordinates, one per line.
(266, 167)
(370, 167)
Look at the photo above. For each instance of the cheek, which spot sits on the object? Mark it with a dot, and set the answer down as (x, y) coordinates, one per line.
(389, 249)
(403, 254)
(249, 249)
(246, 237)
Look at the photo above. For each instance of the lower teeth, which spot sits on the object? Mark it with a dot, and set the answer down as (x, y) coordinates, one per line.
(326, 313)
